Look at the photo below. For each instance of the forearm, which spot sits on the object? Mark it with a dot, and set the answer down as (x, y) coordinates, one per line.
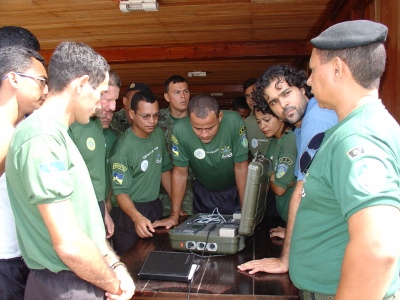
(293, 207)
(240, 178)
(127, 206)
(84, 259)
(179, 181)
(166, 182)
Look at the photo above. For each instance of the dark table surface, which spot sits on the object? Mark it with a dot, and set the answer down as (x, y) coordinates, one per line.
(218, 276)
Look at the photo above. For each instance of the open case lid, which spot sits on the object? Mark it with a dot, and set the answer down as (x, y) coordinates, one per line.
(255, 196)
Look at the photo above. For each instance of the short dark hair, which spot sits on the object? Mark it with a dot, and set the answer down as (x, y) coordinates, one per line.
(15, 35)
(72, 60)
(292, 75)
(141, 96)
(17, 59)
(201, 105)
(264, 108)
(249, 82)
(114, 79)
(240, 102)
(173, 79)
(366, 63)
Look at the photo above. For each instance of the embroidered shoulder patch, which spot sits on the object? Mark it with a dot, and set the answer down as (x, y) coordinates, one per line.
(355, 151)
(286, 160)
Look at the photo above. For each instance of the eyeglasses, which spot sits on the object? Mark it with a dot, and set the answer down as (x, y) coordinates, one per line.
(309, 154)
(42, 81)
(147, 117)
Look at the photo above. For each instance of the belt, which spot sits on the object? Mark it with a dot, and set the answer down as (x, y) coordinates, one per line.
(306, 295)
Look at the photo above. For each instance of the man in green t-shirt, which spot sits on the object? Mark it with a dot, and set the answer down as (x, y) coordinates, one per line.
(214, 144)
(89, 139)
(139, 164)
(60, 229)
(345, 242)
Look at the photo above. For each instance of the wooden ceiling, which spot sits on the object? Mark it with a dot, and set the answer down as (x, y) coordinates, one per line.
(231, 40)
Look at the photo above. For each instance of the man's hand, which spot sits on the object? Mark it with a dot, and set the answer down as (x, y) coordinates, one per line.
(109, 223)
(268, 265)
(143, 227)
(168, 223)
(277, 232)
(126, 286)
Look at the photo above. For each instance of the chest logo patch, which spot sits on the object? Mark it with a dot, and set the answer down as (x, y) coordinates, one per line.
(226, 152)
(254, 143)
(199, 153)
(90, 144)
(144, 165)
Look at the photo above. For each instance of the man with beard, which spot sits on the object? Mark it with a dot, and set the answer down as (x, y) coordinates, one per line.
(286, 92)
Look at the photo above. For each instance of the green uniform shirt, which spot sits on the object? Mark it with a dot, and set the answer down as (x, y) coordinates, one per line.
(89, 140)
(357, 166)
(283, 153)
(257, 139)
(110, 137)
(166, 123)
(213, 163)
(137, 165)
(43, 167)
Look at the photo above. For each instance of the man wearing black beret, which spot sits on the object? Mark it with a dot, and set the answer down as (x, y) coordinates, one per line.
(345, 242)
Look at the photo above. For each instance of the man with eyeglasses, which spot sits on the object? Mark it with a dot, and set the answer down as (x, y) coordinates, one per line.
(285, 90)
(256, 138)
(22, 89)
(121, 120)
(23, 67)
(139, 164)
(177, 94)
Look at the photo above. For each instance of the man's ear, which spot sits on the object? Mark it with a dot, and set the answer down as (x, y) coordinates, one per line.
(221, 114)
(81, 83)
(166, 97)
(131, 113)
(337, 68)
(13, 79)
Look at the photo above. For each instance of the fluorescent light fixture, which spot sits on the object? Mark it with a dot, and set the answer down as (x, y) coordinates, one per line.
(197, 74)
(138, 5)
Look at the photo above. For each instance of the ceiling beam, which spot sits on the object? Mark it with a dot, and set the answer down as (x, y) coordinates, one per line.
(201, 52)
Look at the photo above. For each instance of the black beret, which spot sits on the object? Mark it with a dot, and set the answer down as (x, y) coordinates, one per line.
(350, 34)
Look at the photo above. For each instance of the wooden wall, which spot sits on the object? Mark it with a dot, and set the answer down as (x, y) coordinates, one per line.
(388, 13)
